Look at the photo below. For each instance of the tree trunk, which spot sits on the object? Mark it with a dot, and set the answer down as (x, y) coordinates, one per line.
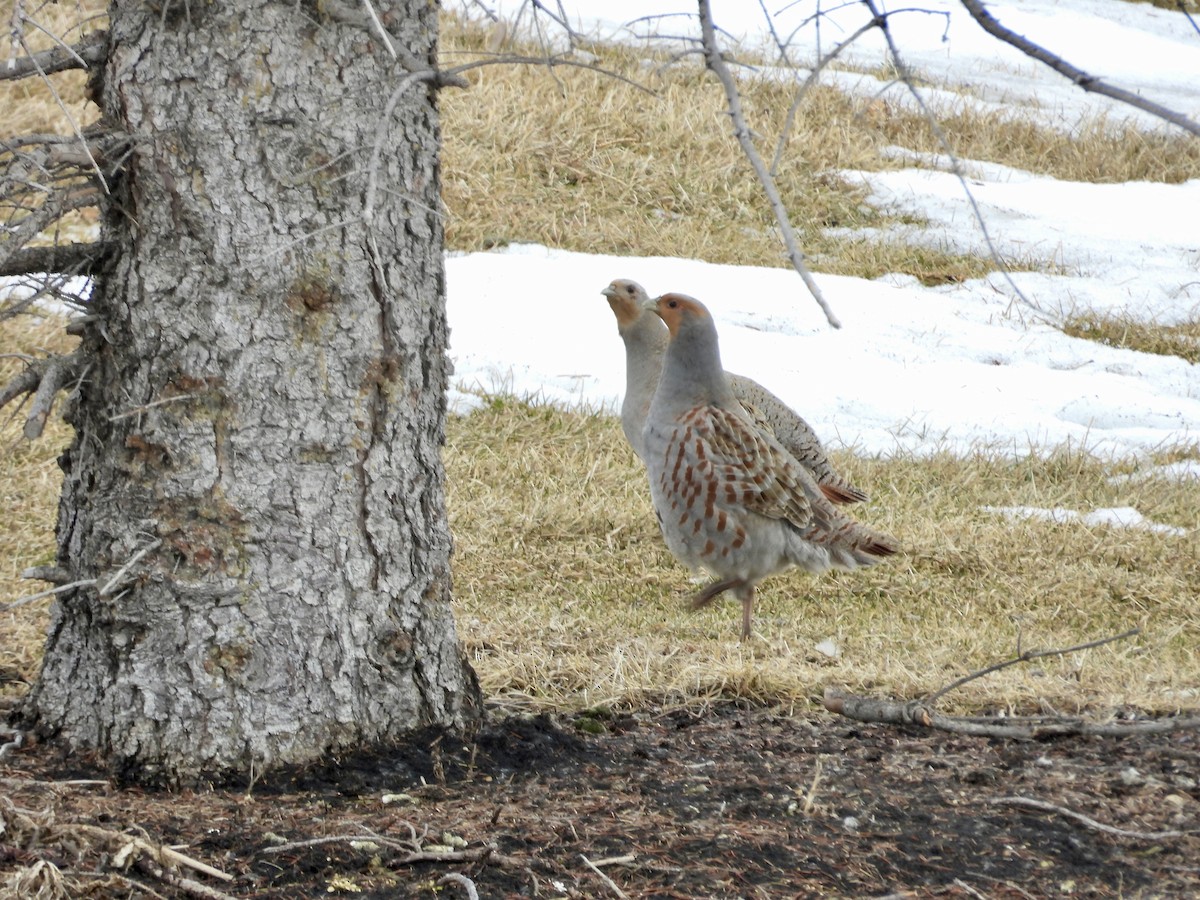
(259, 427)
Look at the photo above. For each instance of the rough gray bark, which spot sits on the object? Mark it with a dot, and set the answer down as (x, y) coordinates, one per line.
(261, 401)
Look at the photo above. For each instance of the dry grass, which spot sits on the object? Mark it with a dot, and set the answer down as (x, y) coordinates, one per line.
(29, 487)
(567, 597)
(585, 162)
(1181, 339)
(27, 105)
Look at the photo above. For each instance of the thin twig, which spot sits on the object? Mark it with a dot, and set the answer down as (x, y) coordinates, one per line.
(921, 711)
(116, 579)
(8, 747)
(1183, 9)
(89, 51)
(1088, 820)
(189, 886)
(138, 410)
(460, 879)
(608, 882)
(88, 582)
(379, 29)
(716, 64)
(389, 109)
(804, 88)
(1026, 656)
(1022, 728)
(516, 59)
(338, 839)
(970, 890)
(1088, 82)
(70, 119)
(955, 167)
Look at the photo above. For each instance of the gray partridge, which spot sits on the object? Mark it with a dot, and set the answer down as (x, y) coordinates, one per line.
(645, 339)
(730, 498)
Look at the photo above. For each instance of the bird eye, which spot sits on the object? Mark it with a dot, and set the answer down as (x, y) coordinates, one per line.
(674, 304)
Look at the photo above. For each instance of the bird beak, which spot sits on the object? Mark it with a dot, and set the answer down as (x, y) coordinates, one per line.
(609, 292)
(651, 305)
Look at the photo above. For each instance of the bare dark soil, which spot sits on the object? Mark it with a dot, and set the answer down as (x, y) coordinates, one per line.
(732, 802)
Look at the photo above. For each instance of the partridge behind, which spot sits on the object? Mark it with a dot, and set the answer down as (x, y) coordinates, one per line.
(645, 337)
(731, 499)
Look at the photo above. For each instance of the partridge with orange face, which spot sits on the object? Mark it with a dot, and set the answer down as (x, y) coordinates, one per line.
(645, 339)
(730, 498)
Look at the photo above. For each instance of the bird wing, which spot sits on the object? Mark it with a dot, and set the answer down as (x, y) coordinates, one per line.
(754, 471)
(795, 435)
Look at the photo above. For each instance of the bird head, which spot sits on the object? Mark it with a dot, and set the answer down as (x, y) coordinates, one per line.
(626, 299)
(677, 310)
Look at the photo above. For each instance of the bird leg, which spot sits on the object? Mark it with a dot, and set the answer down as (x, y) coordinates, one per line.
(706, 596)
(746, 595)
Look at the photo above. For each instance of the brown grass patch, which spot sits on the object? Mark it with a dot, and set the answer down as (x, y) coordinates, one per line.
(1181, 339)
(567, 597)
(29, 487)
(28, 105)
(581, 161)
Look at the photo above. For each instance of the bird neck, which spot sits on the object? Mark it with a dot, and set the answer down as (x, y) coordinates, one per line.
(692, 370)
(645, 343)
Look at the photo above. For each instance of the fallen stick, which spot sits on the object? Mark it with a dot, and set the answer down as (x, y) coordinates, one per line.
(1088, 820)
(921, 711)
(917, 712)
(608, 882)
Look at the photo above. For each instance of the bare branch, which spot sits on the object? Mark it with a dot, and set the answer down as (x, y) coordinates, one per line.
(42, 378)
(1183, 9)
(921, 712)
(25, 383)
(52, 574)
(39, 219)
(67, 259)
(882, 22)
(1026, 656)
(806, 86)
(88, 52)
(915, 712)
(57, 370)
(716, 63)
(455, 72)
(70, 118)
(1088, 82)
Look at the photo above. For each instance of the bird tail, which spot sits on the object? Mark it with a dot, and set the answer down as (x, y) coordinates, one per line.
(842, 492)
(850, 545)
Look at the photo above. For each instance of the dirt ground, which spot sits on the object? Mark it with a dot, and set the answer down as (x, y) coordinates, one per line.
(728, 802)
